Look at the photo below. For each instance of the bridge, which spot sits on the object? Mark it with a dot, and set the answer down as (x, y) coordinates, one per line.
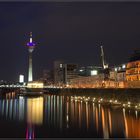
(25, 86)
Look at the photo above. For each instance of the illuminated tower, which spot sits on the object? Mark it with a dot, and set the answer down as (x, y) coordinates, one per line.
(31, 46)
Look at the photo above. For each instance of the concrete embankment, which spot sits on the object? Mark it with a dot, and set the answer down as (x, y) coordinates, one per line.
(4, 90)
(124, 95)
(120, 94)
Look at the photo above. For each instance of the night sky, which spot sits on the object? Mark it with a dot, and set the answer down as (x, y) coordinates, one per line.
(69, 31)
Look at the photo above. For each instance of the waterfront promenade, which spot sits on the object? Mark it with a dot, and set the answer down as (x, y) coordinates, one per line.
(123, 95)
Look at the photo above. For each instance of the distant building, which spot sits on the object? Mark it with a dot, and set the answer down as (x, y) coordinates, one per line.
(121, 76)
(58, 72)
(89, 71)
(87, 81)
(47, 77)
(35, 84)
(96, 77)
(133, 67)
(118, 73)
(70, 72)
(90, 77)
(21, 78)
(133, 70)
(63, 72)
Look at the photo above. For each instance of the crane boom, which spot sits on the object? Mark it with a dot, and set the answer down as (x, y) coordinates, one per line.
(102, 55)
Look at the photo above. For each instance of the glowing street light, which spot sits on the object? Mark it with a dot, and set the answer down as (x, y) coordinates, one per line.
(110, 101)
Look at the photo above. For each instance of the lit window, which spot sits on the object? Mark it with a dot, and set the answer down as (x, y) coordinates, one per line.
(123, 66)
(80, 70)
(94, 72)
(61, 65)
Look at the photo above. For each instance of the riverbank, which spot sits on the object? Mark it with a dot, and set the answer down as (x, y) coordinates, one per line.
(91, 90)
(120, 94)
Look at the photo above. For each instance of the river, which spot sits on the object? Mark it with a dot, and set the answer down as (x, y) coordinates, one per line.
(50, 116)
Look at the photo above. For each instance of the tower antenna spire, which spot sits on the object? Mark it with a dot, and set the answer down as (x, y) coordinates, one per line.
(31, 40)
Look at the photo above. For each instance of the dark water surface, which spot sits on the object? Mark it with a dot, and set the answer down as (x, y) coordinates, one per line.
(64, 116)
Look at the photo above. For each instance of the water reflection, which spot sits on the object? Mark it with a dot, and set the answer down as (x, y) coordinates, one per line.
(132, 124)
(30, 132)
(110, 121)
(105, 123)
(35, 110)
(57, 114)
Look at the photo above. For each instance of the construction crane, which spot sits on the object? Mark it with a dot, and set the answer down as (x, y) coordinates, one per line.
(103, 59)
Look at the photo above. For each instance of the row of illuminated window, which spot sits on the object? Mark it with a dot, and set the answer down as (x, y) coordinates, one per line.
(133, 78)
(133, 71)
(133, 64)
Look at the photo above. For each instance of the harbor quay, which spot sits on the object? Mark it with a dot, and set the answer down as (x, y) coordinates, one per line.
(121, 97)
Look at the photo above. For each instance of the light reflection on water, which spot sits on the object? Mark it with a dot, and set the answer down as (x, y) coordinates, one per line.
(59, 116)
(35, 110)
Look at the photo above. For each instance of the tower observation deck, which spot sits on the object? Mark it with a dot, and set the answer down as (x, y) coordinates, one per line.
(31, 46)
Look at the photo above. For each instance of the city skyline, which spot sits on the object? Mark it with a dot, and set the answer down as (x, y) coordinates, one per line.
(70, 31)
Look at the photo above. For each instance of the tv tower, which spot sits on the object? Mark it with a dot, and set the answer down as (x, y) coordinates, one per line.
(31, 46)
